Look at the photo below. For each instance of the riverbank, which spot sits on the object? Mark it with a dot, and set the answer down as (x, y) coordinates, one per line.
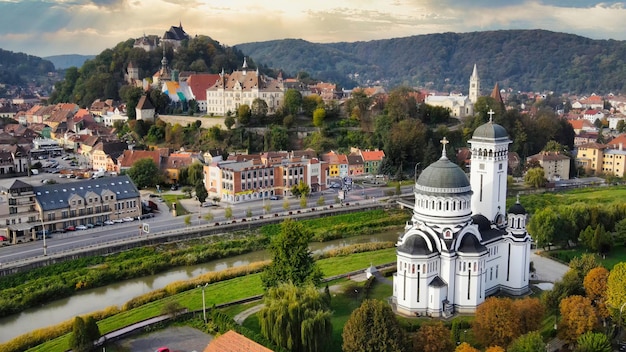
(220, 292)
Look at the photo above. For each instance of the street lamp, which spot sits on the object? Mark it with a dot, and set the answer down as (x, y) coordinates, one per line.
(204, 302)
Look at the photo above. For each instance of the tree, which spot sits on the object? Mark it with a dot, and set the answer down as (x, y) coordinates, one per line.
(465, 347)
(530, 313)
(79, 340)
(495, 349)
(292, 101)
(229, 121)
(303, 201)
(187, 191)
(320, 201)
(208, 216)
(593, 342)
(577, 317)
(187, 220)
(144, 173)
(595, 284)
(620, 232)
(243, 114)
(615, 293)
(228, 212)
(318, 117)
(248, 212)
(286, 204)
(621, 126)
(91, 328)
(372, 327)
(291, 258)
(301, 189)
(530, 342)
(258, 108)
(267, 207)
(535, 177)
(201, 192)
(497, 322)
(543, 226)
(433, 338)
(296, 318)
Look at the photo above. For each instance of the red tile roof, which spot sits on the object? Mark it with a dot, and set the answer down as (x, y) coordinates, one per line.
(234, 342)
(373, 155)
(200, 82)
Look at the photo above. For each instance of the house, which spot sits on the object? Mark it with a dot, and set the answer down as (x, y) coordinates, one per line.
(337, 164)
(234, 342)
(355, 165)
(243, 87)
(582, 125)
(175, 35)
(199, 83)
(18, 213)
(592, 115)
(173, 163)
(590, 157)
(145, 110)
(371, 159)
(130, 157)
(105, 154)
(556, 166)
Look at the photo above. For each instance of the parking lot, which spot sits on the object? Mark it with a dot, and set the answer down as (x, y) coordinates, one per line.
(177, 339)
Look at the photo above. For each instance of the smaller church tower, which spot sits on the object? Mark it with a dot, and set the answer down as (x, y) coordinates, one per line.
(517, 251)
(474, 88)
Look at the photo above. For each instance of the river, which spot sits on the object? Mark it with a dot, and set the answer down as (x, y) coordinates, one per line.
(117, 294)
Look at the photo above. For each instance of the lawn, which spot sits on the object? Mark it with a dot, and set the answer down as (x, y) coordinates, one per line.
(169, 199)
(617, 255)
(604, 195)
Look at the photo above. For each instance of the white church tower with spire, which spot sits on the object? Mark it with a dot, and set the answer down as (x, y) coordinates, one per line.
(474, 87)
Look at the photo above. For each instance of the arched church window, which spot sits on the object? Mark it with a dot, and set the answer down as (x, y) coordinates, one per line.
(447, 206)
(475, 267)
(454, 205)
(464, 266)
(413, 269)
(490, 274)
(418, 267)
(490, 153)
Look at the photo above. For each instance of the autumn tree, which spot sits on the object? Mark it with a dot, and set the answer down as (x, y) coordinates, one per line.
(495, 349)
(372, 327)
(301, 189)
(530, 342)
(465, 347)
(615, 293)
(593, 342)
(595, 284)
(433, 338)
(530, 312)
(319, 115)
(228, 212)
(497, 322)
(577, 317)
(291, 258)
(296, 318)
(83, 334)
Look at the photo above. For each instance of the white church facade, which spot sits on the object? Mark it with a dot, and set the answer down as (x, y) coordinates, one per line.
(460, 106)
(460, 245)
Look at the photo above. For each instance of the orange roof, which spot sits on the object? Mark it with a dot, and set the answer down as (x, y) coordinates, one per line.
(373, 155)
(131, 156)
(234, 342)
(615, 142)
(579, 124)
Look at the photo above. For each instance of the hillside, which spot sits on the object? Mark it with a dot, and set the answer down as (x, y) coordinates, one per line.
(18, 68)
(524, 60)
(61, 62)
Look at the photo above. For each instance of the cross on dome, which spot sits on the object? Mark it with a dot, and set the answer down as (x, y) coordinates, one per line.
(491, 113)
(444, 141)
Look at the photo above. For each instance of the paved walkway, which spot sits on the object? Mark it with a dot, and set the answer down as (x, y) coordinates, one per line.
(546, 269)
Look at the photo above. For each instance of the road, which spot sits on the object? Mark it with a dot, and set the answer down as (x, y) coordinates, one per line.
(165, 221)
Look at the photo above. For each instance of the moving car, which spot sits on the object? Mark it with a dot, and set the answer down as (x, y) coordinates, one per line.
(81, 227)
(70, 228)
(109, 222)
(118, 221)
(127, 219)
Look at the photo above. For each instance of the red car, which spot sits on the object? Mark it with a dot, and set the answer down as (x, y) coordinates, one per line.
(70, 228)
(3, 238)
(162, 349)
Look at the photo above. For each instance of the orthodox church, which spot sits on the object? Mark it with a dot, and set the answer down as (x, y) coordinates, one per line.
(460, 245)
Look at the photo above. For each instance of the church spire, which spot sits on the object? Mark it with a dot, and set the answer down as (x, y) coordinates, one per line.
(474, 88)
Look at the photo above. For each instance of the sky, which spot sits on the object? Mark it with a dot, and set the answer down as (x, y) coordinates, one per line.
(47, 27)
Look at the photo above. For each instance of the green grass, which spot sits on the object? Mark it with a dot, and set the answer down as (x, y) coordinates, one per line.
(222, 292)
(169, 199)
(605, 195)
(617, 255)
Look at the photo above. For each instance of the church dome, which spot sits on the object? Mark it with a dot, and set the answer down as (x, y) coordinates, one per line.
(443, 174)
(471, 244)
(415, 245)
(482, 222)
(490, 131)
(517, 209)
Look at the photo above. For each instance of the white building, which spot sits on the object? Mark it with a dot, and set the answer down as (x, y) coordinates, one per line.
(110, 118)
(460, 106)
(458, 248)
(243, 87)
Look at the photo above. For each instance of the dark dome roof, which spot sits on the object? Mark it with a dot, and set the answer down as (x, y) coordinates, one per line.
(517, 209)
(443, 174)
(471, 244)
(482, 222)
(415, 245)
(490, 131)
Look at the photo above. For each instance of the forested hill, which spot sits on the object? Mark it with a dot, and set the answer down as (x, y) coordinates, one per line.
(525, 60)
(18, 68)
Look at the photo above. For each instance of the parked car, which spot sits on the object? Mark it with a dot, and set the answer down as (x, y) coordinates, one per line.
(274, 198)
(127, 219)
(118, 221)
(99, 223)
(162, 349)
(145, 216)
(109, 222)
(4, 238)
(90, 226)
(70, 228)
(81, 227)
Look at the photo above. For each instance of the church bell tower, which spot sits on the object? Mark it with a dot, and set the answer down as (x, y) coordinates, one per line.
(474, 88)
